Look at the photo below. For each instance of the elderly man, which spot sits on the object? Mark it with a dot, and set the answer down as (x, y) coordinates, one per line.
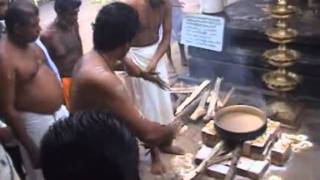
(147, 53)
(63, 41)
(30, 95)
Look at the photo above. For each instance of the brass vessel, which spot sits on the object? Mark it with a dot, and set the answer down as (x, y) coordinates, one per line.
(281, 35)
(281, 56)
(281, 80)
(281, 10)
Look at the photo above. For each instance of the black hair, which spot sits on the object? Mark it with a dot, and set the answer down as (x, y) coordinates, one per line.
(19, 12)
(66, 5)
(155, 3)
(89, 145)
(115, 25)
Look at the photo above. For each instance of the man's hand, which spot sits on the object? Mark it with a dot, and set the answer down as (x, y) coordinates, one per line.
(155, 78)
(35, 157)
(151, 67)
(176, 125)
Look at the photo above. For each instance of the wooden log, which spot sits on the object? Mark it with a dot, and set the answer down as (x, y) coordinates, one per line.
(201, 109)
(209, 135)
(246, 167)
(182, 90)
(258, 149)
(213, 101)
(280, 152)
(203, 165)
(178, 121)
(227, 97)
(194, 95)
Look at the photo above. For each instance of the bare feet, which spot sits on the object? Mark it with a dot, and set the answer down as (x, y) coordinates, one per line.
(172, 150)
(157, 167)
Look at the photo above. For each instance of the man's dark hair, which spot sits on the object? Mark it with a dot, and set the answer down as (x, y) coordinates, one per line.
(155, 3)
(19, 12)
(115, 25)
(66, 5)
(89, 145)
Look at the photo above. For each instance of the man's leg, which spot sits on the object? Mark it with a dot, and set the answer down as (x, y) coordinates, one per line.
(169, 55)
(157, 167)
(183, 55)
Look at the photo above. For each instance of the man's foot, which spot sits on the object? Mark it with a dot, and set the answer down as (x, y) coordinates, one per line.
(157, 167)
(172, 150)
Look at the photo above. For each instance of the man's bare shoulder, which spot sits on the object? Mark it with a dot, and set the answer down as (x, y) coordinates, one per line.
(6, 65)
(49, 34)
(5, 61)
(36, 50)
(97, 76)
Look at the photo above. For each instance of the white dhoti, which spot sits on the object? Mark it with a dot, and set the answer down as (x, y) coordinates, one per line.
(36, 126)
(152, 101)
(7, 170)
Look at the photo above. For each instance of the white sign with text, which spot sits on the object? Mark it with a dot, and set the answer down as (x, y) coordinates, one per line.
(203, 31)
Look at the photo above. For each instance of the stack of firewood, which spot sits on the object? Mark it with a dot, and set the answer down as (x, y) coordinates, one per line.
(256, 154)
(200, 102)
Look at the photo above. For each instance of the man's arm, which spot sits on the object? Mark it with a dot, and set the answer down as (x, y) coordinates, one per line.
(120, 104)
(165, 41)
(10, 113)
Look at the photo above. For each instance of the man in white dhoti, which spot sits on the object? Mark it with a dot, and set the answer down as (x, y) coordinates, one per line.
(148, 48)
(30, 94)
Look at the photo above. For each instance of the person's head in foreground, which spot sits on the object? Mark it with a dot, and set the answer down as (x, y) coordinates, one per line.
(115, 26)
(89, 146)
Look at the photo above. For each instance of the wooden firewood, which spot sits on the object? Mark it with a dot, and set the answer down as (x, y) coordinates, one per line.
(201, 109)
(178, 120)
(203, 165)
(213, 101)
(209, 135)
(280, 152)
(227, 97)
(182, 90)
(194, 94)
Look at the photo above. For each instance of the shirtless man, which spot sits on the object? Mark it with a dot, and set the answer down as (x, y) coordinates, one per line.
(147, 52)
(63, 42)
(30, 95)
(95, 85)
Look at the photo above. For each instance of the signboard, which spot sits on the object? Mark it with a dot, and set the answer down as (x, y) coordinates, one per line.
(203, 31)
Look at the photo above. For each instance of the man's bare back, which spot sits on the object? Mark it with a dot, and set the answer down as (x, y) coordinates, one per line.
(28, 79)
(96, 87)
(89, 73)
(64, 46)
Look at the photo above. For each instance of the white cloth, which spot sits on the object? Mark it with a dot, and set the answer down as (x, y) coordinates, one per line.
(48, 59)
(7, 170)
(36, 126)
(152, 101)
